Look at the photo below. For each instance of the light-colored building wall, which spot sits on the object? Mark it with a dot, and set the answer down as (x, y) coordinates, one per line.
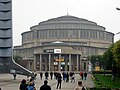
(75, 36)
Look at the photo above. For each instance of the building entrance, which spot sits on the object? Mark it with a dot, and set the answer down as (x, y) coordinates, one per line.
(57, 62)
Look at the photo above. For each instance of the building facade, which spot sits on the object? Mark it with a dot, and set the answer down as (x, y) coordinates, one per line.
(63, 43)
(7, 64)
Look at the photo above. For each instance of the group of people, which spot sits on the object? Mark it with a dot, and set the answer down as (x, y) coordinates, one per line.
(46, 74)
(30, 85)
(57, 76)
(27, 85)
(83, 75)
(65, 75)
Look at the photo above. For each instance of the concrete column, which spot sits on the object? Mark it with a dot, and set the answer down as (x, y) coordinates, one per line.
(46, 64)
(35, 57)
(66, 64)
(69, 62)
(80, 62)
(52, 62)
(49, 62)
(59, 64)
(40, 62)
(77, 62)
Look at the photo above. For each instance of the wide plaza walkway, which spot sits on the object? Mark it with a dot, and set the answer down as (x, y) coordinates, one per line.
(8, 83)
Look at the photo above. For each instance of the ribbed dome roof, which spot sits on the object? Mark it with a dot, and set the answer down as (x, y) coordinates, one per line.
(67, 19)
(67, 22)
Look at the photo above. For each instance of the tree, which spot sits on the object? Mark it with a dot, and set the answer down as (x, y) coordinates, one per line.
(95, 59)
(116, 53)
(108, 58)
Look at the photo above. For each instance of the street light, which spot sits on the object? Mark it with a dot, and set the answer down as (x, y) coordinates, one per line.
(117, 33)
(89, 56)
(118, 8)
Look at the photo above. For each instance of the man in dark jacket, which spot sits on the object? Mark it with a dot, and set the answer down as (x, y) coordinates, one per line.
(51, 75)
(59, 80)
(85, 75)
(46, 75)
(41, 75)
(45, 86)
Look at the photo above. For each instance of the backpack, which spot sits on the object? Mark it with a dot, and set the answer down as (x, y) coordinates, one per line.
(30, 88)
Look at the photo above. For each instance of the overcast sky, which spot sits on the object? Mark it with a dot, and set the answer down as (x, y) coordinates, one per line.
(27, 13)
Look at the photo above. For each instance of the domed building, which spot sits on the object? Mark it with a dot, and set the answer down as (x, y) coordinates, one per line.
(63, 43)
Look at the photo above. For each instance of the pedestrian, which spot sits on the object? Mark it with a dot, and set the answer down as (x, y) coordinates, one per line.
(46, 75)
(64, 76)
(67, 77)
(59, 80)
(14, 75)
(80, 86)
(45, 86)
(51, 75)
(23, 85)
(41, 75)
(72, 77)
(35, 75)
(85, 75)
(71, 74)
(81, 75)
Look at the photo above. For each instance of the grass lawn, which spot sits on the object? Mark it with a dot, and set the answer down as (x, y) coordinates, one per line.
(106, 81)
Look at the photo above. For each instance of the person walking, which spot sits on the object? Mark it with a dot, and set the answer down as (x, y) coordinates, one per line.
(41, 75)
(64, 76)
(51, 75)
(85, 75)
(72, 77)
(59, 80)
(23, 85)
(45, 86)
(81, 74)
(80, 86)
(67, 77)
(14, 75)
(46, 75)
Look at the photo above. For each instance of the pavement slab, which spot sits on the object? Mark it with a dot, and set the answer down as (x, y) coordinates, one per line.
(8, 83)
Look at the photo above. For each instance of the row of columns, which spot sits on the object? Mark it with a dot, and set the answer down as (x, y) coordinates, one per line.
(49, 64)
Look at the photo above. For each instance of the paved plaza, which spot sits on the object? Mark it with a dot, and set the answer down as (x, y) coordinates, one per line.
(8, 83)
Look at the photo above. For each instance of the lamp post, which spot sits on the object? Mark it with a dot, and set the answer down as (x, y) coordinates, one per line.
(88, 49)
(118, 8)
(117, 33)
